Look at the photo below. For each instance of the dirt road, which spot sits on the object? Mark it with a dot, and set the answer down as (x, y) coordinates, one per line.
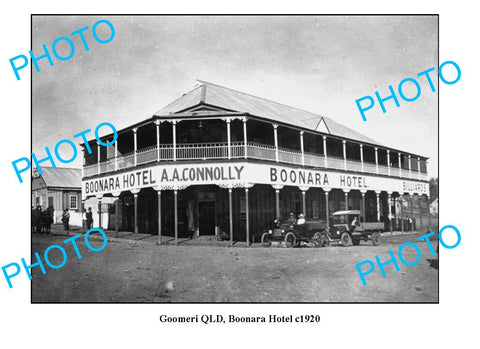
(129, 271)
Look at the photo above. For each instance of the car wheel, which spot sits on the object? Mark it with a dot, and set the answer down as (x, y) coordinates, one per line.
(290, 240)
(266, 239)
(326, 241)
(318, 239)
(346, 239)
(376, 239)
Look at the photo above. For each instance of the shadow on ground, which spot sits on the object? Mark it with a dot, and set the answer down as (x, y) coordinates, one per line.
(433, 263)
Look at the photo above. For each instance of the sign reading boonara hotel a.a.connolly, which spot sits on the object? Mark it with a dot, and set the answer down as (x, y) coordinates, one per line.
(239, 174)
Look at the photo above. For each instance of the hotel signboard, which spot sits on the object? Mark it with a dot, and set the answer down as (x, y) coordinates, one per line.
(240, 174)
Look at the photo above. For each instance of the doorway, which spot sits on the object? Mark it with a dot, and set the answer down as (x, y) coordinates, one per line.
(206, 218)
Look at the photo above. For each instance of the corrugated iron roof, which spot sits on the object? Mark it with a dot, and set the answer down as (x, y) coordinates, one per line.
(62, 177)
(226, 98)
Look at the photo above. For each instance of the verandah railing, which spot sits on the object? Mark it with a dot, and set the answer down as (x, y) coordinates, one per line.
(219, 150)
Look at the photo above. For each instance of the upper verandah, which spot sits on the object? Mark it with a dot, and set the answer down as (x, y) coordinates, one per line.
(210, 122)
(206, 100)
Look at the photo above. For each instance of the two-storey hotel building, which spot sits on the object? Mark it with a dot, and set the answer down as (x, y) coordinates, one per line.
(220, 162)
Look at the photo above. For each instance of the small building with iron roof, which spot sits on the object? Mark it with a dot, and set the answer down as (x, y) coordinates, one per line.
(59, 188)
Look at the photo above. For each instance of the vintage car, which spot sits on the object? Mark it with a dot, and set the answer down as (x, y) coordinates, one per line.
(346, 233)
(293, 234)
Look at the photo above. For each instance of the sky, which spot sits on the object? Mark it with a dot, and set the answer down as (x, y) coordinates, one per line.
(320, 64)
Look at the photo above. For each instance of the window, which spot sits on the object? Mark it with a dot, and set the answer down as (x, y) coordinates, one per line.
(73, 202)
(38, 201)
(316, 209)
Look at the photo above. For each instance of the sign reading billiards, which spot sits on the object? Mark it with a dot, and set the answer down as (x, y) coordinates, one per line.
(167, 176)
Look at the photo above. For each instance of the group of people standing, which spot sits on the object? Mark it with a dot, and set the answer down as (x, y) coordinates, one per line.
(42, 220)
(88, 219)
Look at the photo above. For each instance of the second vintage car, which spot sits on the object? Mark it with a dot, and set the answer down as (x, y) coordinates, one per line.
(348, 228)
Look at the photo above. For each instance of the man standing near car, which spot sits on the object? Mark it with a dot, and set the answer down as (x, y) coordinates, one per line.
(354, 224)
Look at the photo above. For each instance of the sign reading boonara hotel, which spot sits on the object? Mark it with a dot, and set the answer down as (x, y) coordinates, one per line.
(240, 174)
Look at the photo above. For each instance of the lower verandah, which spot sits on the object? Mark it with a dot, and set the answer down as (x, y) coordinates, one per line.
(204, 209)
